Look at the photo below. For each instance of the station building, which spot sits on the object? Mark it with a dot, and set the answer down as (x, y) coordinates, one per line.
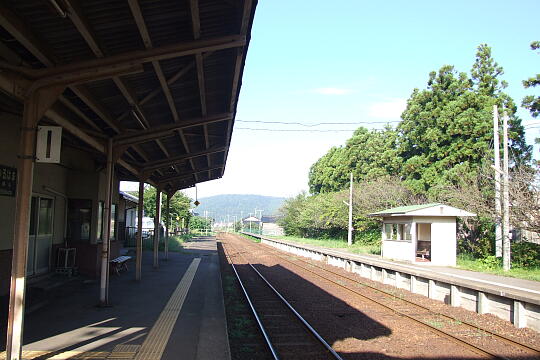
(95, 92)
(425, 233)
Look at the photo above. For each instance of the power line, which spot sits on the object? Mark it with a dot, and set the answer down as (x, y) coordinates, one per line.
(296, 130)
(318, 124)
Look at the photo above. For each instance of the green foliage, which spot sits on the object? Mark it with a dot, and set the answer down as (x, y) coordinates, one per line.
(525, 255)
(531, 102)
(368, 154)
(200, 223)
(179, 205)
(439, 152)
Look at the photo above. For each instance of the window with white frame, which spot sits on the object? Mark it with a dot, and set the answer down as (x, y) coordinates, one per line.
(397, 232)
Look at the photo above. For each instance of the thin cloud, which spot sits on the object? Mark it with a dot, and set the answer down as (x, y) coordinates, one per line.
(332, 91)
(391, 109)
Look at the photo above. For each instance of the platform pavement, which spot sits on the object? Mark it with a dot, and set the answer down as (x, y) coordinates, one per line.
(141, 322)
(527, 288)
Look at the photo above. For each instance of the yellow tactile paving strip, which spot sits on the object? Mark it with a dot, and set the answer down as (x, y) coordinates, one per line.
(152, 347)
(154, 344)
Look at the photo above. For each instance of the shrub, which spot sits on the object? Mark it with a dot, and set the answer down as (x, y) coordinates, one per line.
(525, 254)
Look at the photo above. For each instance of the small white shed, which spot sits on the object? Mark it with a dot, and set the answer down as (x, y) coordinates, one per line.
(421, 233)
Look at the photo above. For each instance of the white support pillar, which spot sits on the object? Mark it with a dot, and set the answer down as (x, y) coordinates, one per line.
(372, 273)
(384, 275)
(414, 237)
(140, 213)
(482, 303)
(431, 289)
(413, 284)
(156, 228)
(455, 296)
(105, 246)
(520, 314)
(398, 280)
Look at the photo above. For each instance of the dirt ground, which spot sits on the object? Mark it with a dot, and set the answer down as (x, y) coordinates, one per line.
(361, 329)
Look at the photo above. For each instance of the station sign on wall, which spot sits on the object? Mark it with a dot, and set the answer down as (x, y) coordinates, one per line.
(8, 180)
(49, 144)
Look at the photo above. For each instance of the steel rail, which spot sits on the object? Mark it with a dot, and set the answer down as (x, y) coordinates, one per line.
(289, 306)
(429, 327)
(248, 298)
(489, 332)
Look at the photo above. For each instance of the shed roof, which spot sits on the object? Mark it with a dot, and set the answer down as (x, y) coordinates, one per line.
(431, 209)
(161, 78)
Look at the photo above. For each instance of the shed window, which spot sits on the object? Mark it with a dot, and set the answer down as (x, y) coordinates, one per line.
(397, 232)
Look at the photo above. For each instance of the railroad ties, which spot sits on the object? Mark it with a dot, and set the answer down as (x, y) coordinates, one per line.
(459, 334)
(287, 334)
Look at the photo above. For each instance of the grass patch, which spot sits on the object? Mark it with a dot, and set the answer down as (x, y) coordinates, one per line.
(252, 238)
(467, 262)
(355, 248)
(175, 243)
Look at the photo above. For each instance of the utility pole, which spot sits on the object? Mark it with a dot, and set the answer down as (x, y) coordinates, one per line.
(506, 199)
(496, 148)
(206, 222)
(349, 234)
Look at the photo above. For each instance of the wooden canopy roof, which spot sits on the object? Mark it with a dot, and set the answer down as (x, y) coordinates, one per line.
(159, 77)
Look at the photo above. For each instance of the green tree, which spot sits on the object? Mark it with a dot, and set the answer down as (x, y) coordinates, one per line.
(179, 206)
(531, 102)
(446, 132)
(368, 154)
(485, 75)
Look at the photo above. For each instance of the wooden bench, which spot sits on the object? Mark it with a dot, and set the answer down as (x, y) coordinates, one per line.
(422, 253)
(119, 264)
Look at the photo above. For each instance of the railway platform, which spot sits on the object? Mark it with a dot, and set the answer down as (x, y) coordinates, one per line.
(176, 309)
(512, 299)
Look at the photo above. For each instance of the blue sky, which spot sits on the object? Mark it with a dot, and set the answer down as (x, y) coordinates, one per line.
(356, 61)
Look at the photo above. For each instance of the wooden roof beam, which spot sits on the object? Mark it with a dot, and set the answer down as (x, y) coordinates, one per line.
(151, 166)
(240, 57)
(22, 34)
(185, 175)
(76, 16)
(157, 132)
(196, 28)
(137, 57)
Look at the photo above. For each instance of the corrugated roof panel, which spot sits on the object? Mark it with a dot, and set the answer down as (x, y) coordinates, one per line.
(113, 25)
(168, 21)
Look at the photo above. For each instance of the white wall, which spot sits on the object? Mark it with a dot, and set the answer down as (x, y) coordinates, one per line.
(443, 239)
(398, 250)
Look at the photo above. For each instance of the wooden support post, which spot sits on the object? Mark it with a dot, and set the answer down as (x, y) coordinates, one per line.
(106, 244)
(167, 219)
(35, 106)
(157, 228)
(140, 213)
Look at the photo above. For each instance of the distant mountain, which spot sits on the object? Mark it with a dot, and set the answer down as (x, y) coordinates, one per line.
(219, 206)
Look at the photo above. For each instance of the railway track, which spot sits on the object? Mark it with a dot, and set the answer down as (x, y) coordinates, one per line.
(287, 334)
(458, 331)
